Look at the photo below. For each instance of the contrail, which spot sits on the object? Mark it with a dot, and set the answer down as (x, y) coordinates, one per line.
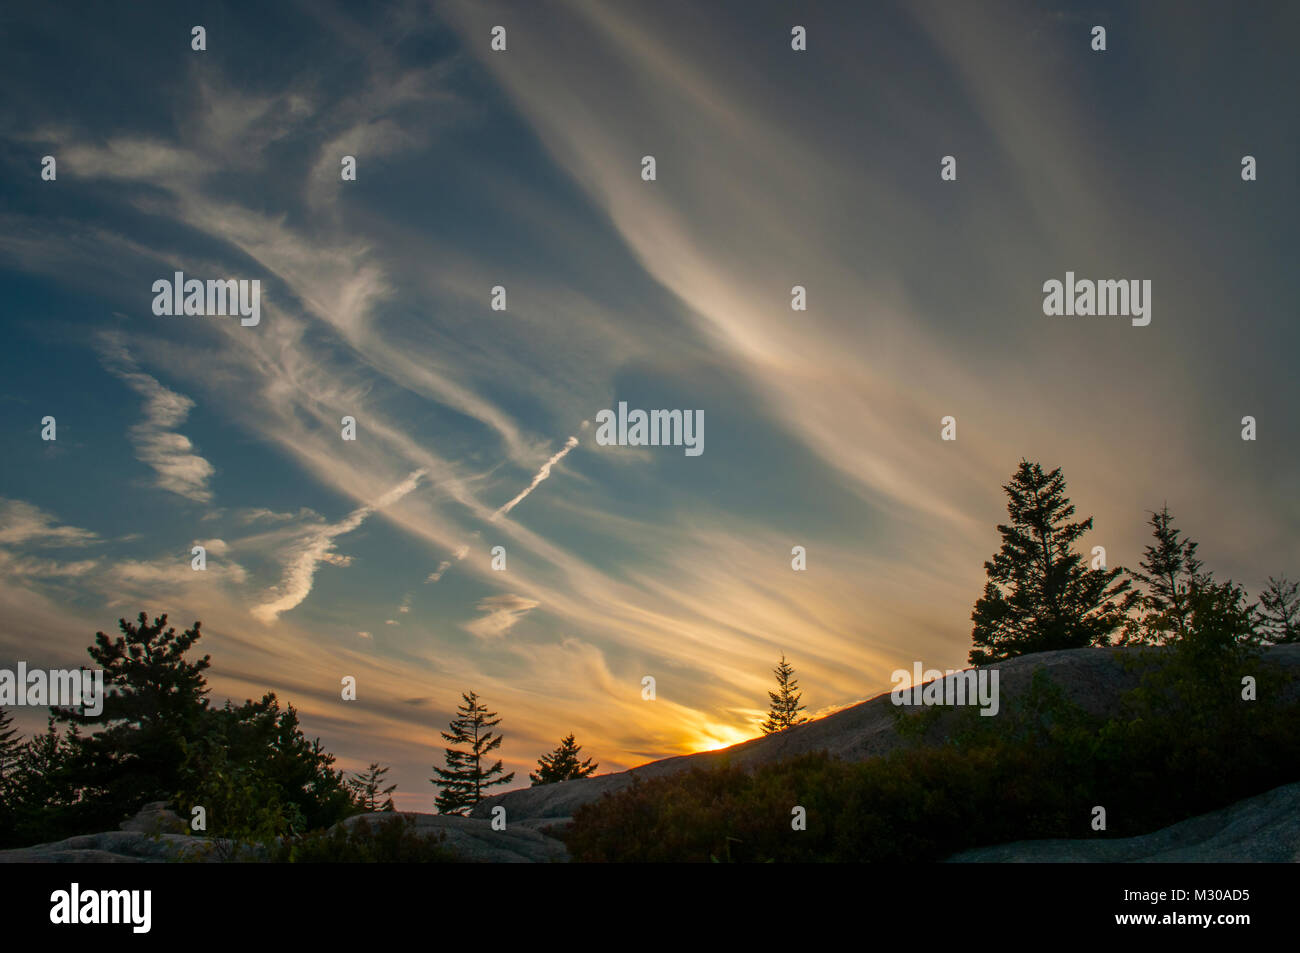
(542, 474)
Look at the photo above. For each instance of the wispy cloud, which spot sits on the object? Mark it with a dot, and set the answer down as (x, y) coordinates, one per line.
(541, 475)
(503, 612)
(23, 522)
(443, 566)
(170, 454)
(317, 547)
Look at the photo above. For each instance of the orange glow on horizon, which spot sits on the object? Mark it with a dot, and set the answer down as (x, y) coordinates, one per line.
(716, 737)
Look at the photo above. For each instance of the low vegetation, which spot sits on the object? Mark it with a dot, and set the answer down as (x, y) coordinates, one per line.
(1183, 743)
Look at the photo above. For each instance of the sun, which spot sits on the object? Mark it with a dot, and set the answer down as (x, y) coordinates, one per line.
(716, 737)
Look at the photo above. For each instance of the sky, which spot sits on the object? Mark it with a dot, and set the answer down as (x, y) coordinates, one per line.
(476, 428)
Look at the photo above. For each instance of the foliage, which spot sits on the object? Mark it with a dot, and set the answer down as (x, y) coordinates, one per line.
(462, 782)
(1171, 574)
(368, 788)
(11, 746)
(392, 840)
(562, 764)
(154, 700)
(257, 754)
(158, 739)
(1039, 595)
(1277, 620)
(1184, 742)
(41, 792)
(784, 710)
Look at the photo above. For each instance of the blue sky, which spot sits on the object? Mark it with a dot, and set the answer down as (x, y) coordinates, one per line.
(522, 169)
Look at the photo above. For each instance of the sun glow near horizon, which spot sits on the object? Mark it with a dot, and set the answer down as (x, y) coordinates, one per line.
(716, 737)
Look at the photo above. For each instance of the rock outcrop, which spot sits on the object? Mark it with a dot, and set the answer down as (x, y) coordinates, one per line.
(1262, 829)
(474, 841)
(150, 837)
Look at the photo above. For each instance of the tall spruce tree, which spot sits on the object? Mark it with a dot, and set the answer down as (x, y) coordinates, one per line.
(562, 764)
(1277, 620)
(1040, 595)
(465, 778)
(368, 786)
(1171, 574)
(784, 710)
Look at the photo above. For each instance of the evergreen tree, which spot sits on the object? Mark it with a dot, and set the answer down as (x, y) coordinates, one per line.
(1171, 573)
(44, 796)
(154, 700)
(784, 710)
(250, 765)
(11, 746)
(1040, 595)
(368, 786)
(463, 780)
(1278, 617)
(562, 764)
(1220, 626)
(257, 753)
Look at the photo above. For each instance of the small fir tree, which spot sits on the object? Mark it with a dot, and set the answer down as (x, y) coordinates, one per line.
(368, 786)
(465, 777)
(785, 707)
(1171, 574)
(562, 764)
(1277, 619)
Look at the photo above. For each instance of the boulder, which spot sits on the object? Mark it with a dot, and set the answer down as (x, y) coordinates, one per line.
(155, 818)
(112, 847)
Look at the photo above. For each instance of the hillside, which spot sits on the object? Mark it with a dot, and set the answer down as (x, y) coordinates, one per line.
(1093, 678)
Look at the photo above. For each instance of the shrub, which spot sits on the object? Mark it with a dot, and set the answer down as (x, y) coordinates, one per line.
(392, 840)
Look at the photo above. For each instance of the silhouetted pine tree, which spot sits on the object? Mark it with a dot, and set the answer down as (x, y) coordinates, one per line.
(1171, 574)
(368, 787)
(11, 745)
(1040, 595)
(463, 780)
(154, 700)
(261, 749)
(1277, 619)
(785, 707)
(44, 797)
(562, 764)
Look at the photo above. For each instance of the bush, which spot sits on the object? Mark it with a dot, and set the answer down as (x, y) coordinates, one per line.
(392, 840)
